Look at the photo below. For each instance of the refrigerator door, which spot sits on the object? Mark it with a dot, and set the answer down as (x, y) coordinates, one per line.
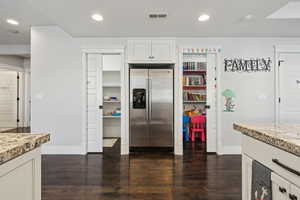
(161, 107)
(139, 136)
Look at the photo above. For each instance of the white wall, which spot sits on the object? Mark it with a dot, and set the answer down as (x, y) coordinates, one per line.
(254, 91)
(57, 83)
(56, 89)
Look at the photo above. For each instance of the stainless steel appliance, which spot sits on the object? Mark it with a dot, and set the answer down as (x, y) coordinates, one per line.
(151, 106)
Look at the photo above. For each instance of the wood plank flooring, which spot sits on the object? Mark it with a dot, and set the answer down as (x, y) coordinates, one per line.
(142, 176)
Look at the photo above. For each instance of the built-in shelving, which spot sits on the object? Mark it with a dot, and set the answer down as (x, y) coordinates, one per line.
(111, 86)
(192, 72)
(111, 101)
(111, 117)
(194, 102)
(112, 94)
(194, 68)
(192, 87)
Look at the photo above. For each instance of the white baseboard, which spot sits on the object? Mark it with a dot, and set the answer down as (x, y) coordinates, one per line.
(62, 150)
(178, 150)
(230, 150)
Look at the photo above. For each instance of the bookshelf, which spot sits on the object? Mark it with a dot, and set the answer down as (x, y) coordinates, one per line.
(194, 81)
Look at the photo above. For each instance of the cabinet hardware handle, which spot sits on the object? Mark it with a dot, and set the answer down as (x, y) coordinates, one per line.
(276, 161)
(100, 107)
(293, 197)
(282, 190)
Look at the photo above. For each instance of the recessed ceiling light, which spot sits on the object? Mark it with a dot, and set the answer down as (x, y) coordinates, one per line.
(12, 22)
(203, 18)
(97, 17)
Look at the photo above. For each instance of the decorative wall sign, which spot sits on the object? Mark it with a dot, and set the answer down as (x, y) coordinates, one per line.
(229, 98)
(247, 65)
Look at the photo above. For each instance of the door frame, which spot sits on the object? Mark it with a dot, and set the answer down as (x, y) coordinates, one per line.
(217, 143)
(84, 53)
(24, 103)
(280, 49)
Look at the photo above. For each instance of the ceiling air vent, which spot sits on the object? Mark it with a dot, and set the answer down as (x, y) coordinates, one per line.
(158, 15)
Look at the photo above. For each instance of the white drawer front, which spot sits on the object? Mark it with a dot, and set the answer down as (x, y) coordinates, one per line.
(266, 154)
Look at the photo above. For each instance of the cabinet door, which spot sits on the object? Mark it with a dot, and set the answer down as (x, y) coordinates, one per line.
(139, 50)
(246, 177)
(163, 51)
(294, 193)
(280, 188)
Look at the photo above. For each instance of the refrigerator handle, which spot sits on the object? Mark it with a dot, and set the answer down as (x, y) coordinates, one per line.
(147, 99)
(150, 98)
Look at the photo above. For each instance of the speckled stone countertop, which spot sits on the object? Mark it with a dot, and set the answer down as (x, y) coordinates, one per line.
(13, 145)
(282, 136)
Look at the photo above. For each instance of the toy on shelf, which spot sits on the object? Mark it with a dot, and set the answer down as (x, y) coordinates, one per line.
(115, 113)
(110, 98)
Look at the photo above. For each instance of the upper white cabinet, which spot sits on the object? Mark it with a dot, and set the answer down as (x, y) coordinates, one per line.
(151, 51)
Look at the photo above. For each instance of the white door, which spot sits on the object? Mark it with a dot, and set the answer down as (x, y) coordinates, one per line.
(8, 99)
(139, 50)
(289, 87)
(163, 50)
(280, 188)
(246, 177)
(211, 122)
(94, 100)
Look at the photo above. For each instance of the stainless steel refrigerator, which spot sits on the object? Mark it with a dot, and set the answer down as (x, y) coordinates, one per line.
(151, 106)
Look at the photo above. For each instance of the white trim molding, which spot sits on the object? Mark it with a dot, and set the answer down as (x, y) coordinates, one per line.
(230, 150)
(216, 145)
(109, 50)
(49, 149)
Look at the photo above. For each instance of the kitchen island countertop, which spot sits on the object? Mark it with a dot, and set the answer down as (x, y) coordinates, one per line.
(282, 136)
(13, 145)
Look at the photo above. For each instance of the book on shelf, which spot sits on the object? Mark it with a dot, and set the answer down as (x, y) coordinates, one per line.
(199, 80)
(191, 96)
(194, 66)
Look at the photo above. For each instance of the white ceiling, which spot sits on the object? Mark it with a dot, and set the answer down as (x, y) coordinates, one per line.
(128, 18)
(290, 11)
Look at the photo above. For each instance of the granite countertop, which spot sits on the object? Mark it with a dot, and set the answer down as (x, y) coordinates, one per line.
(282, 136)
(13, 145)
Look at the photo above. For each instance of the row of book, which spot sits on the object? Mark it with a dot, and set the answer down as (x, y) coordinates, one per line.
(199, 80)
(190, 96)
(194, 66)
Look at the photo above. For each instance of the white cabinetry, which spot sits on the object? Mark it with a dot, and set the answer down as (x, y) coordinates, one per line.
(151, 51)
(139, 50)
(246, 177)
(283, 189)
(285, 169)
(20, 178)
(280, 188)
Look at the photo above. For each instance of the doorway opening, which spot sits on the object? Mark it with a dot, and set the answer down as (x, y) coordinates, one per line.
(10, 99)
(287, 84)
(104, 89)
(199, 87)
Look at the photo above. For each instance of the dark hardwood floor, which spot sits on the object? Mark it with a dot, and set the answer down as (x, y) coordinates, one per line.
(142, 176)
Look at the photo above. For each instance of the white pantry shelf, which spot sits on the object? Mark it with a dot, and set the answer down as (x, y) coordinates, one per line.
(111, 117)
